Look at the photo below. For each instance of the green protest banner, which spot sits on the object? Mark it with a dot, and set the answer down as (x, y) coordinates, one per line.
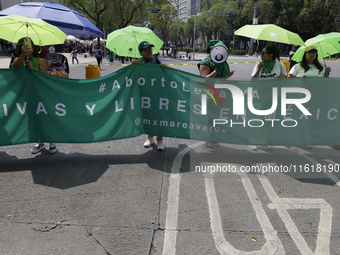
(143, 99)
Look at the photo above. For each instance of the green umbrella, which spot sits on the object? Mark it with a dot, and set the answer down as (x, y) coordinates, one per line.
(125, 41)
(326, 44)
(14, 27)
(271, 33)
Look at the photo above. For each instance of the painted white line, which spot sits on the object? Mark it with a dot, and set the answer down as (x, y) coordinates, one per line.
(329, 174)
(289, 223)
(170, 235)
(325, 223)
(273, 244)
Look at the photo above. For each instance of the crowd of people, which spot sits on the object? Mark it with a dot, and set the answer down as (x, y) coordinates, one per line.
(28, 55)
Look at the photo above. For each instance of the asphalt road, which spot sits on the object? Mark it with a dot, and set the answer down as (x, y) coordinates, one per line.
(117, 197)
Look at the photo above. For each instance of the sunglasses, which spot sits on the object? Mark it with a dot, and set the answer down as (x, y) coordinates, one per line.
(148, 50)
(312, 52)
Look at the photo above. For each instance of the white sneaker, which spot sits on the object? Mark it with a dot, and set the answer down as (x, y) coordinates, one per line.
(149, 142)
(37, 147)
(267, 147)
(252, 147)
(160, 145)
(208, 146)
(53, 148)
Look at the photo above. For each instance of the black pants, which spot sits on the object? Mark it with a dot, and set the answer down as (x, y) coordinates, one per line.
(98, 61)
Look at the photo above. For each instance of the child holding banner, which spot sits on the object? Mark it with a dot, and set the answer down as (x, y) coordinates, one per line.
(147, 58)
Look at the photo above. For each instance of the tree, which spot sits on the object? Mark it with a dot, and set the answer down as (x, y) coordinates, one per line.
(109, 15)
(161, 21)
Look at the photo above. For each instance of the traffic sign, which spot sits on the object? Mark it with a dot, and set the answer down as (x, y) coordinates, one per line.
(154, 10)
(233, 14)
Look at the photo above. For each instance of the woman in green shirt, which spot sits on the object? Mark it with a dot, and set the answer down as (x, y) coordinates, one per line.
(28, 57)
(22, 51)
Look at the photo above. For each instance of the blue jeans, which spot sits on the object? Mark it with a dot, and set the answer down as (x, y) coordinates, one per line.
(75, 59)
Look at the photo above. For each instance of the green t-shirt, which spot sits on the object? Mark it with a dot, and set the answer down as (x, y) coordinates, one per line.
(33, 61)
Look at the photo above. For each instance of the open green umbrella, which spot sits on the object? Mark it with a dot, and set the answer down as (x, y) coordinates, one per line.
(125, 41)
(326, 44)
(14, 27)
(270, 32)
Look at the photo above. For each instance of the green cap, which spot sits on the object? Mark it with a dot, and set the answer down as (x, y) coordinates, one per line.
(143, 45)
(213, 43)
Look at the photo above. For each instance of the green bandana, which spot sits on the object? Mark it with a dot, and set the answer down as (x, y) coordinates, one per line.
(142, 60)
(268, 66)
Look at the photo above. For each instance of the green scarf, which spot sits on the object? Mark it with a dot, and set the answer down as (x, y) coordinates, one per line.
(142, 60)
(268, 66)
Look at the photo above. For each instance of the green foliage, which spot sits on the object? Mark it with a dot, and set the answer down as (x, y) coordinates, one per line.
(109, 15)
(308, 18)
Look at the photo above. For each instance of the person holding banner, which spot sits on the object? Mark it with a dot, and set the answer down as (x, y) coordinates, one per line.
(309, 65)
(28, 57)
(269, 68)
(146, 52)
(217, 67)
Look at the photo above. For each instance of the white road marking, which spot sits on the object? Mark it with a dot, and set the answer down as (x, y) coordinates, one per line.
(170, 235)
(310, 159)
(325, 223)
(273, 244)
(289, 223)
(330, 175)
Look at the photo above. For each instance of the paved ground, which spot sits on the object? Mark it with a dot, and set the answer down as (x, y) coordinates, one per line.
(117, 197)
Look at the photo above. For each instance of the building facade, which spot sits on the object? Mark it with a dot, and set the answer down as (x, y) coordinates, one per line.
(4, 4)
(187, 8)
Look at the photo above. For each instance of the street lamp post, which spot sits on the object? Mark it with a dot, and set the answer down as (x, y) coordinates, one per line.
(193, 52)
(254, 22)
(177, 23)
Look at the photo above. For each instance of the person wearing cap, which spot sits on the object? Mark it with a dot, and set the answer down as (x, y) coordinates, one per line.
(208, 68)
(147, 58)
(309, 65)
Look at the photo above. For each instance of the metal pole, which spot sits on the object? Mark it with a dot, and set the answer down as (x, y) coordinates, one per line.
(251, 39)
(193, 52)
(233, 39)
(177, 24)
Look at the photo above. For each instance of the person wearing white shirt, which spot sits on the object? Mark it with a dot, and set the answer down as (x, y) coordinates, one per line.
(51, 49)
(269, 68)
(309, 65)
